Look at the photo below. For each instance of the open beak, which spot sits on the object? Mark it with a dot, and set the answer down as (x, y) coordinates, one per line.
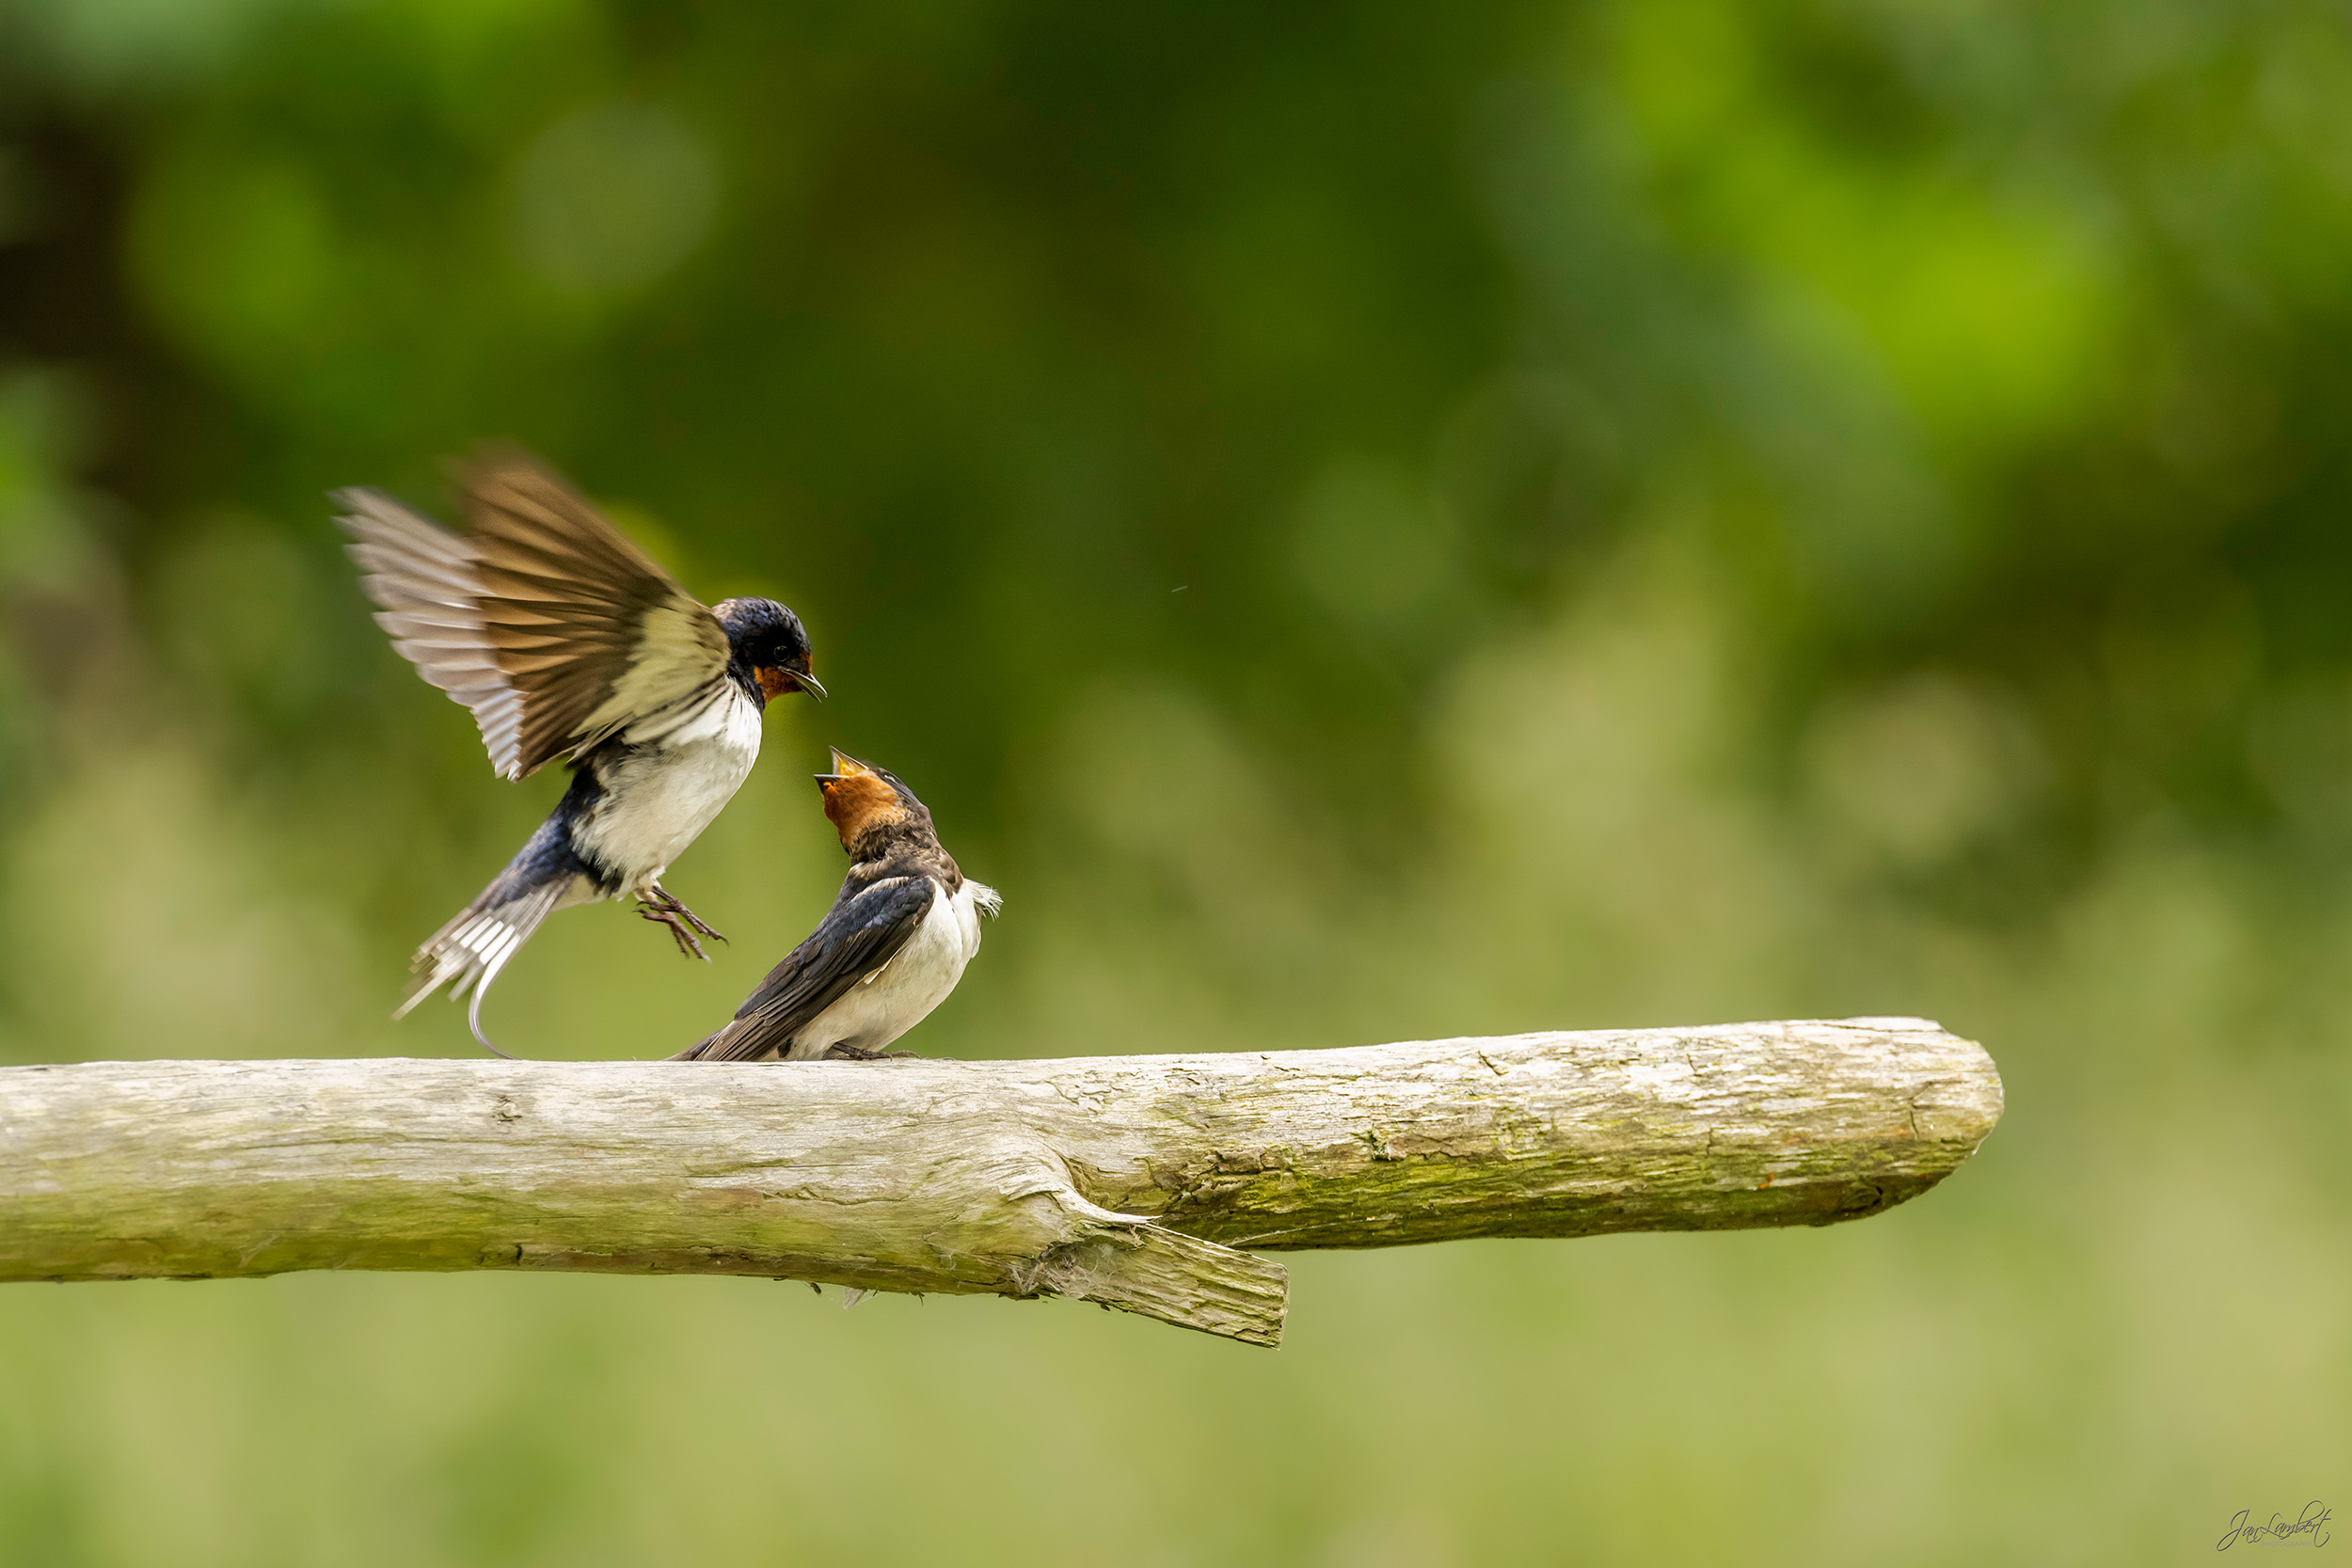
(808, 683)
(844, 765)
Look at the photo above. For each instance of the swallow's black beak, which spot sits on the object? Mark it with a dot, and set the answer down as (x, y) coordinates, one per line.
(780, 680)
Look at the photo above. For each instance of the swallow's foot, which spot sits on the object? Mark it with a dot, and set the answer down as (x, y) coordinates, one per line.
(853, 1054)
(662, 908)
(664, 899)
(685, 939)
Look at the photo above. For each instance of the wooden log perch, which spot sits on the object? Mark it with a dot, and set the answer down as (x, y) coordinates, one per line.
(1128, 1180)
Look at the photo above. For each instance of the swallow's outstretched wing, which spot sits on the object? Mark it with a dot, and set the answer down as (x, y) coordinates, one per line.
(861, 935)
(553, 628)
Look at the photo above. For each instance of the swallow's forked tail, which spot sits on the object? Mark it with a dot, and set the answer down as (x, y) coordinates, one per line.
(473, 947)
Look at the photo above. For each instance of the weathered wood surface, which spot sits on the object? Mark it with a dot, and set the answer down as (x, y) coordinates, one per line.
(1128, 1180)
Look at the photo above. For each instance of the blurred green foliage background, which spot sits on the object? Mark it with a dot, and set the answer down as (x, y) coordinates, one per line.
(1365, 522)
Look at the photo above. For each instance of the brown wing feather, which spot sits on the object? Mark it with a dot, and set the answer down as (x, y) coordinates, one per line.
(546, 621)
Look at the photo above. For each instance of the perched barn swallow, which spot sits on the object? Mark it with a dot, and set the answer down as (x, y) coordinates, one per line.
(567, 641)
(890, 950)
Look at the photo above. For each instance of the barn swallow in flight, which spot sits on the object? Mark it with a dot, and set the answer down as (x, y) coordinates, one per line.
(567, 641)
(890, 950)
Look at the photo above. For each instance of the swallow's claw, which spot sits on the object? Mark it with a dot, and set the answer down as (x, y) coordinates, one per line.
(664, 899)
(679, 933)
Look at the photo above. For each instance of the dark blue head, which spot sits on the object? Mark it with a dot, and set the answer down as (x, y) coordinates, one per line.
(767, 643)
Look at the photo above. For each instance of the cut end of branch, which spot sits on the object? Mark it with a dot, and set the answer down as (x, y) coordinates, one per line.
(1139, 1267)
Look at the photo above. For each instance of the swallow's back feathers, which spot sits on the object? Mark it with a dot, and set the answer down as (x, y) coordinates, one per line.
(859, 939)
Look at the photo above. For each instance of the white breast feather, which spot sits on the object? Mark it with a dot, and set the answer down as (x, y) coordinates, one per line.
(894, 999)
(658, 802)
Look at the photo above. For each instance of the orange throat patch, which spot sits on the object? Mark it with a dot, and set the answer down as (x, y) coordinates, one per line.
(857, 802)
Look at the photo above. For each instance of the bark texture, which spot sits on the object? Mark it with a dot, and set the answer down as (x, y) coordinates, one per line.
(1128, 1180)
